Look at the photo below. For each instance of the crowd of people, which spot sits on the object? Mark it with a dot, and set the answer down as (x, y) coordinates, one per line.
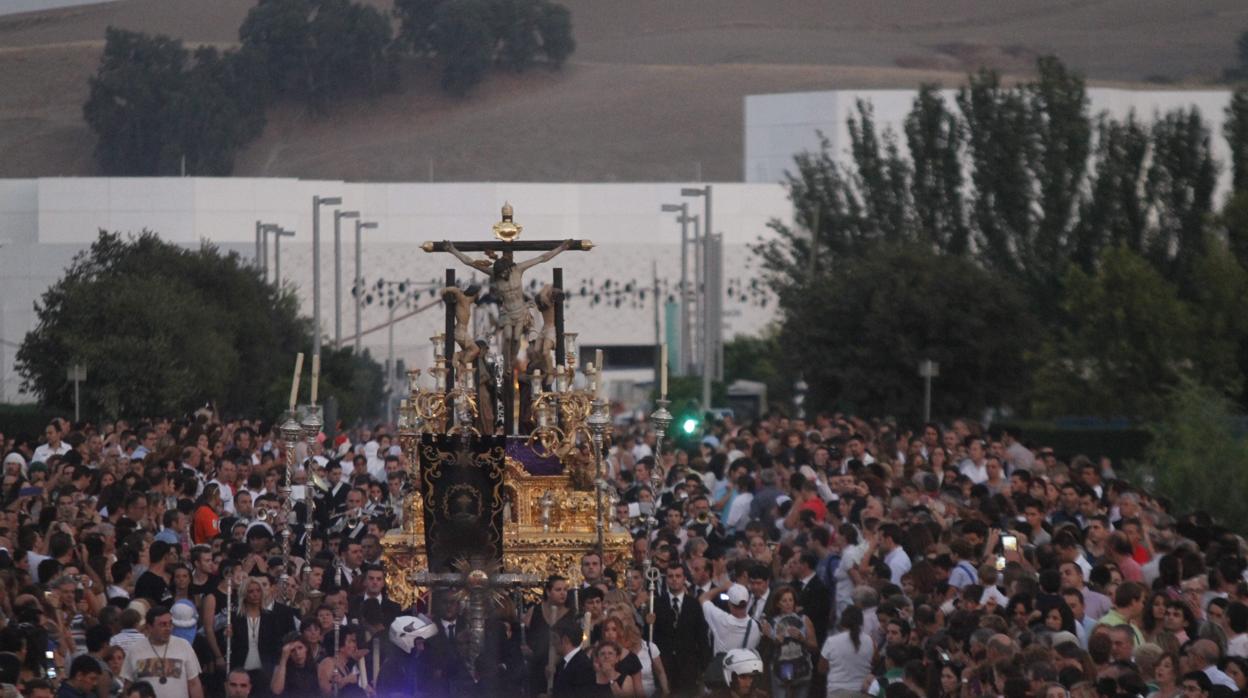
(782, 557)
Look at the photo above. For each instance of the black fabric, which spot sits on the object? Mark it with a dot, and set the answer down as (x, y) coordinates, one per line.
(461, 483)
(576, 679)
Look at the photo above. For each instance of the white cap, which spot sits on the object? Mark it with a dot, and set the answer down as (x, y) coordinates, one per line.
(740, 661)
(405, 630)
(737, 594)
(183, 614)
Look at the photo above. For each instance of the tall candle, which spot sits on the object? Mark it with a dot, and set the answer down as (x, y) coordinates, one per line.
(316, 375)
(663, 371)
(294, 384)
(601, 386)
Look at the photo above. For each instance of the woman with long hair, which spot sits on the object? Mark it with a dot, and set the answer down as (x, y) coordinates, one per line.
(846, 656)
(294, 674)
(629, 665)
(653, 674)
(541, 649)
(945, 681)
(793, 642)
(180, 583)
(256, 642)
(1154, 614)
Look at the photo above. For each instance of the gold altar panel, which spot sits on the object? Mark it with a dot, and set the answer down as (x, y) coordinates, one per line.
(528, 546)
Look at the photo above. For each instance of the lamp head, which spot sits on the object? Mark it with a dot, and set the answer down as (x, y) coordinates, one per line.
(329, 200)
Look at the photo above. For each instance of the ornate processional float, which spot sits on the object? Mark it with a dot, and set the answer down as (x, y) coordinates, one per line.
(506, 445)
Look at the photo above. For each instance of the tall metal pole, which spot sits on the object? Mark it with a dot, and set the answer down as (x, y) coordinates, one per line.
(658, 323)
(709, 348)
(316, 276)
(317, 202)
(338, 216)
(278, 234)
(359, 280)
(264, 249)
(259, 233)
(390, 365)
(685, 355)
(717, 305)
(697, 329)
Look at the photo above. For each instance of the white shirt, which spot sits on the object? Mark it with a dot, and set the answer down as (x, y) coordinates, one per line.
(44, 452)
(848, 668)
(175, 661)
(739, 512)
(645, 656)
(963, 574)
(851, 555)
(227, 496)
(728, 630)
(978, 473)
(1237, 646)
(899, 562)
(759, 604)
(1219, 677)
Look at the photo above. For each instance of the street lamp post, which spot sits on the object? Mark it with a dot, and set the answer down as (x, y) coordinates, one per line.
(711, 332)
(259, 234)
(359, 280)
(317, 203)
(686, 352)
(338, 216)
(278, 234)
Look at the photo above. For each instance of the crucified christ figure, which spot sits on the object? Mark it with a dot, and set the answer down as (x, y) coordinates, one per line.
(507, 284)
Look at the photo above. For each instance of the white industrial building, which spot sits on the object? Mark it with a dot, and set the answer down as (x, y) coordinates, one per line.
(45, 222)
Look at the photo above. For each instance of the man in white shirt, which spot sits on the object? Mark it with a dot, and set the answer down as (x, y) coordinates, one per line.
(225, 481)
(851, 556)
(894, 555)
(975, 466)
(734, 628)
(53, 447)
(166, 663)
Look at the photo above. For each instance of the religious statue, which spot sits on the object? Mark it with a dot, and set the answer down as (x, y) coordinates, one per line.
(507, 285)
(463, 300)
(542, 349)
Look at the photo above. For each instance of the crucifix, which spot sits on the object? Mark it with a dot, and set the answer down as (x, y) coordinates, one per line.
(506, 277)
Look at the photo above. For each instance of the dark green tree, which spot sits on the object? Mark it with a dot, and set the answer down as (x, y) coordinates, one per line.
(464, 41)
(321, 50)
(416, 18)
(859, 335)
(1180, 186)
(1114, 213)
(934, 139)
(470, 36)
(163, 329)
(1197, 455)
(1129, 337)
(554, 25)
(155, 111)
(1235, 128)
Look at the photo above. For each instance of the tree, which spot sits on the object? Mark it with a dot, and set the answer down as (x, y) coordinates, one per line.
(1197, 456)
(1114, 214)
(1235, 128)
(554, 25)
(154, 111)
(163, 329)
(321, 50)
(469, 36)
(1128, 338)
(463, 39)
(934, 138)
(858, 336)
(1180, 189)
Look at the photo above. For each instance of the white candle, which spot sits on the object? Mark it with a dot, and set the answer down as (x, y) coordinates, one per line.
(294, 385)
(663, 371)
(316, 375)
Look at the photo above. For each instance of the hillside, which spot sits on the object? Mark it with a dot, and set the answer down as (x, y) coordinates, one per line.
(654, 91)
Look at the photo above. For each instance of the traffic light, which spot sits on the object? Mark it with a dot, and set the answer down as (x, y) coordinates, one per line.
(689, 426)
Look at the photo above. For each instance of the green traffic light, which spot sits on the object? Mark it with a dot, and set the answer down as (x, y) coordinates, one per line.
(690, 425)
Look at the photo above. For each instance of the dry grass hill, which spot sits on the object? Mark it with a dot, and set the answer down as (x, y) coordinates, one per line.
(654, 91)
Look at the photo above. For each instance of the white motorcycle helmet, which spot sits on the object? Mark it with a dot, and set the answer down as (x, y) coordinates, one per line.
(741, 661)
(405, 630)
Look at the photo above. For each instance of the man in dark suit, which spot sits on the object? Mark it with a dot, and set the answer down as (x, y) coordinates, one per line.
(680, 631)
(813, 597)
(375, 589)
(574, 672)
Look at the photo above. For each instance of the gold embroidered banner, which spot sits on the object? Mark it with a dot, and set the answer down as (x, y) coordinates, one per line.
(462, 487)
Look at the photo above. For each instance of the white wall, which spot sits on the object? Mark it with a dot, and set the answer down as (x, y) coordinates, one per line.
(47, 221)
(779, 126)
